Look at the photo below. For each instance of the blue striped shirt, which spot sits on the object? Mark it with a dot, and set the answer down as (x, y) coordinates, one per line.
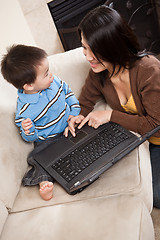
(48, 109)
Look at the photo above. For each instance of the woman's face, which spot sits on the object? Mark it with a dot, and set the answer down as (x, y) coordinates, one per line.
(94, 63)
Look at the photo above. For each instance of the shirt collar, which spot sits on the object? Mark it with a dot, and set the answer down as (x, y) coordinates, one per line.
(29, 98)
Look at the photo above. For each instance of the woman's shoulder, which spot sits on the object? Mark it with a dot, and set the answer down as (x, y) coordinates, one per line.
(145, 68)
(148, 61)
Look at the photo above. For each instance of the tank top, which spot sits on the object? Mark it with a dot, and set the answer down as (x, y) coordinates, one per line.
(130, 107)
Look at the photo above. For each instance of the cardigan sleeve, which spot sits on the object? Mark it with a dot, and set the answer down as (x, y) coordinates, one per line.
(147, 100)
(90, 94)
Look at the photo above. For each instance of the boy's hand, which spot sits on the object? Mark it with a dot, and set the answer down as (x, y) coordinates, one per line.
(26, 125)
(73, 121)
(67, 128)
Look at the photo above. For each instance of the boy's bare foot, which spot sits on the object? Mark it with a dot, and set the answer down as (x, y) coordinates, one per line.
(46, 190)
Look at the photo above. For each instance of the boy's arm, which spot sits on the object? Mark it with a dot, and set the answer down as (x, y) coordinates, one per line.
(71, 100)
(27, 129)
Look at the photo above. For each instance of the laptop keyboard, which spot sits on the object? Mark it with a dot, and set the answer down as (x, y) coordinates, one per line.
(79, 159)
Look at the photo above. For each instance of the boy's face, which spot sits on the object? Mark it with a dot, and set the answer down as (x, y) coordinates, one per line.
(43, 80)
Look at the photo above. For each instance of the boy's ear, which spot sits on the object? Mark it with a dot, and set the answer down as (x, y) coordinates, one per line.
(28, 87)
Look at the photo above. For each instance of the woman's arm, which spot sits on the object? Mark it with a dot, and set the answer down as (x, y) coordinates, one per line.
(90, 93)
(96, 118)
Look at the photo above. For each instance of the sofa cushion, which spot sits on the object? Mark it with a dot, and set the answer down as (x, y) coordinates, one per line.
(105, 218)
(129, 176)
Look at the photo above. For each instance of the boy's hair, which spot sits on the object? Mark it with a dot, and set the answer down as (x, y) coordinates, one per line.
(19, 65)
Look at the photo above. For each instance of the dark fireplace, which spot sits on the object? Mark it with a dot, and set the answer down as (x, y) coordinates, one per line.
(67, 15)
(142, 16)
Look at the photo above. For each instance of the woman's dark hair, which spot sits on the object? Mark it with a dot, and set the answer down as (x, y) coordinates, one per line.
(19, 65)
(110, 38)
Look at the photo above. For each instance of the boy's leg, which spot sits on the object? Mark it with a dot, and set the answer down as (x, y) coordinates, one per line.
(36, 174)
(155, 163)
(46, 190)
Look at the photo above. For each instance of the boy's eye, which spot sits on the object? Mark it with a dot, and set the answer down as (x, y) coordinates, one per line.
(47, 73)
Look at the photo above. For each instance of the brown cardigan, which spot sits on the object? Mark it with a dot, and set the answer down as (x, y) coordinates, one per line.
(145, 87)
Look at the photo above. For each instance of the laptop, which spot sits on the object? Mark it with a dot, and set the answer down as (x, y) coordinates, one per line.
(76, 162)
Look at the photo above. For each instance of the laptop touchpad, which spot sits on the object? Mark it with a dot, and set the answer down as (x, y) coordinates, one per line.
(79, 135)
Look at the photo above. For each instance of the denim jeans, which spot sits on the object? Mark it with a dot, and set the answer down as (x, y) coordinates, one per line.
(37, 174)
(155, 163)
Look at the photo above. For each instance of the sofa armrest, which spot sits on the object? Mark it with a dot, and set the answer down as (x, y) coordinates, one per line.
(13, 150)
(3, 215)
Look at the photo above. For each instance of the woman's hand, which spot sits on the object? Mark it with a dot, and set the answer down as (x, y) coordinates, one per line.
(96, 118)
(26, 125)
(73, 121)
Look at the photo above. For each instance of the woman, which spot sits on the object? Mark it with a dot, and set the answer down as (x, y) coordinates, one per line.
(129, 81)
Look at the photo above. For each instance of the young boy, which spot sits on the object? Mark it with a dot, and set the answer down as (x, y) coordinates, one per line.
(44, 105)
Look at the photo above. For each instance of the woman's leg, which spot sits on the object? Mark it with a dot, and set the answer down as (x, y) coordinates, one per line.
(155, 163)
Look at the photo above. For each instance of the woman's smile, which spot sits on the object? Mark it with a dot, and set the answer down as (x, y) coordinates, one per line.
(94, 64)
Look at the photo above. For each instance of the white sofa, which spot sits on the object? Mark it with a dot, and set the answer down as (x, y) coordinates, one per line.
(115, 207)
